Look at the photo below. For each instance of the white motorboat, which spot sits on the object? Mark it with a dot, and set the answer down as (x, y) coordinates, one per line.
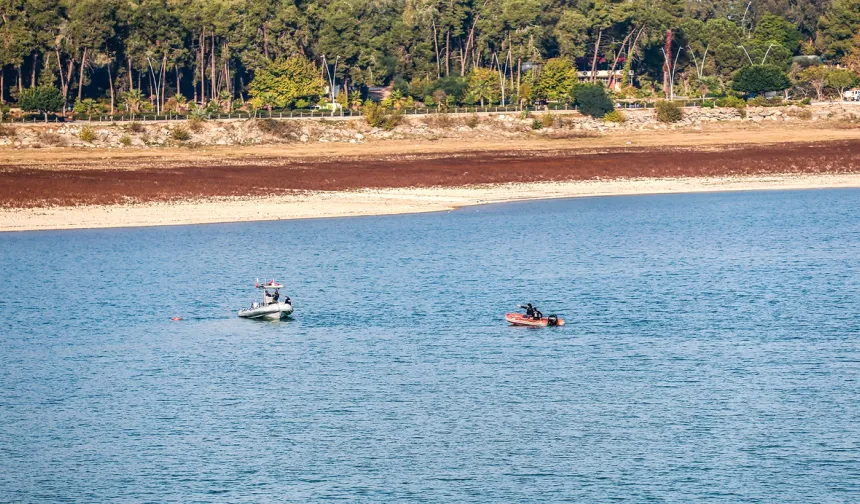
(272, 307)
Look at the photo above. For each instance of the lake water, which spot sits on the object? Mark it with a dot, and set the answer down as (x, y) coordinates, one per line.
(712, 353)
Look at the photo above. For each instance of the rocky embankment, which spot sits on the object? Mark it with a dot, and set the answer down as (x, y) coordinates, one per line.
(355, 130)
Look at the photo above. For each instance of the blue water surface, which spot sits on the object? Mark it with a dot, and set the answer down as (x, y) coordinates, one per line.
(711, 354)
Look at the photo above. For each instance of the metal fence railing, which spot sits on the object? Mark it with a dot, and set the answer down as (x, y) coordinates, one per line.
(340, 114)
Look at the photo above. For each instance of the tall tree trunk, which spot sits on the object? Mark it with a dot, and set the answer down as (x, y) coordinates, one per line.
(163, 79)
(214, 89)
(469, 42)
(81, 73)
(176, 69)
(615, 61)
(266, 42)
(110, 83)
(519, 79)
(436, 48)
(448, 53)
(667, 65)
(63, 86)
(202, 67)
(2, 86)
(33, 74)
(594, 59)
(20, 81)
(130, 76)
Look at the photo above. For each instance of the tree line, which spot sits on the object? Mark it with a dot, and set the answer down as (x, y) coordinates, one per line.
(222, 54)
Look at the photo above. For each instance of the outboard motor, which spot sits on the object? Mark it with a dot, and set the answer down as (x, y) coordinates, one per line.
(552, 320)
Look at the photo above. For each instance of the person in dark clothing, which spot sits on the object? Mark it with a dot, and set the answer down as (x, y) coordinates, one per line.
(530, 311)
(538, 314)
(275, 296)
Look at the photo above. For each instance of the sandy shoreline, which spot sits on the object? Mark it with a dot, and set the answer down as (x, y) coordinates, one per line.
(392, 201)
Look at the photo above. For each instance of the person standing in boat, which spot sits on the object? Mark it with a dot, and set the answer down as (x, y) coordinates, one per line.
(267, 298)
(275, 296)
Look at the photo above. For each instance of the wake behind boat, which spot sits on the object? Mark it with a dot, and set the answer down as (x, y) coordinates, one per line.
(271, 308)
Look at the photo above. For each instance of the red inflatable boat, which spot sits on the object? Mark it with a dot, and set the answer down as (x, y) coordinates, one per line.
(521, 320)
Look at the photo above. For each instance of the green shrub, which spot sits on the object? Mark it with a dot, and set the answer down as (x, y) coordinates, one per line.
(592, 100)
(380, 116)
(473, 121)
(537, 124)
(731, 101)
(615, 116)
(42, 99)
(760, 79)
(547, 120)
(180, 134)
(806, 101)
(87, 134)
(198, 114)
(125, 140)
(668, 112)
(4, 113)
(708, 104)
(761, 101)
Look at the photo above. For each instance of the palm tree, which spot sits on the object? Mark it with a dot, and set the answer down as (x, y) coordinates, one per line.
(132, 100)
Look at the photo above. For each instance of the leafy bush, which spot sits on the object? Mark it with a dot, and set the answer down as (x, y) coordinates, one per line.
(592, 100)
(668, 112)
(473, 121)
(616, 116)
(380, 116)
(125, 140)
(42, 99)
(708, 104)
(87, 134)
(806, 101)
(198, 114)
(761, 101)
(4, 113)
(537, 124)
(757, 79)
(731, 101)
(180, 134)
(136, 127)
(547, 120)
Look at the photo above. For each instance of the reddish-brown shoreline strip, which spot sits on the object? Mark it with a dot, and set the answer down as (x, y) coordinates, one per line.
(25, 187)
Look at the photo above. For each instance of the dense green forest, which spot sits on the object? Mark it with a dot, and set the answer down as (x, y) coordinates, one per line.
(170, 53)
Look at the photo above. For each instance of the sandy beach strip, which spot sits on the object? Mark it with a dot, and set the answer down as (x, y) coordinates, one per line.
(354, 203)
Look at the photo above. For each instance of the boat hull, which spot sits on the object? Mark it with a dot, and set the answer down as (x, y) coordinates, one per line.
(519, 319)
(274, 311)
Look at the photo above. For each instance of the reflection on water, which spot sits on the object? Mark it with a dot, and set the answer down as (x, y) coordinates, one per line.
(710, 353)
